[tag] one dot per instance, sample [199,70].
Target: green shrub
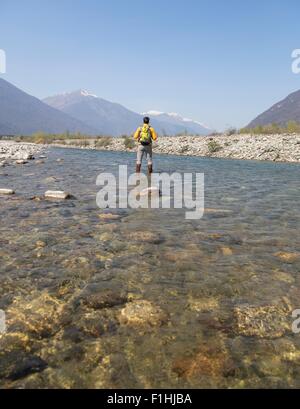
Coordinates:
[184,149]
[129,142]
[103,141]
[271,129]
[214,146]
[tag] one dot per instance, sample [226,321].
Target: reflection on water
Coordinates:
[146,298]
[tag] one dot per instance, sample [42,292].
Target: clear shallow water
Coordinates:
[68,278]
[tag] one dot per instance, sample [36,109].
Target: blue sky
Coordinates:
[219,62]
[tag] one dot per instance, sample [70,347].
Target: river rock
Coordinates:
[287,257]
[17,364]
[203,304]
[57,194]
[38,315]
[21,162]
[96,297]
[269,321]
[150,191]
[142,313]
[6,192]
[109,216]
[207,362]
[144,237]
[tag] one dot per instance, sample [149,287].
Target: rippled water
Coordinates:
[149,299]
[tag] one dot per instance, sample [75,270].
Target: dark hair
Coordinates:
[146,120]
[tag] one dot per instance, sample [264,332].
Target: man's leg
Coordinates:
[149,159]
[140,154]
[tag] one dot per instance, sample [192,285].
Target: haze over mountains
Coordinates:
[23,114]
[114,119]
[193,127]
[79,111]
[280,113]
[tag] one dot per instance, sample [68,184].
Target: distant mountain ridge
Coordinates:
[114,119]
[188,125]
[280,113]
[80,111]
[23,114]
[107,117]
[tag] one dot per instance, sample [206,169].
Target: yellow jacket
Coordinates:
[138,132]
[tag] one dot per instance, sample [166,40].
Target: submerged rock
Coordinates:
[96,297]
[203,304]
[109,216]
[226,251]
[284,277]
[270,321]
[144,237]
[38,316]
[15,365]
[207,362]
[142,313]
[288,257]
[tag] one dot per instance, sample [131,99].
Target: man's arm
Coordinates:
[137,134]
[153,134]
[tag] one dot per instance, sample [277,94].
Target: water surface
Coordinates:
[67,274]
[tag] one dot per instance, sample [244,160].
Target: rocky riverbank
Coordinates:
[19,153]
[276,148]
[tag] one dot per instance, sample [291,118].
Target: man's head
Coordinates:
[146,120]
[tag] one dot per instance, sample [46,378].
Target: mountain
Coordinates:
[284,111]
[107,117]
[21,113]
[186,125]
[114,119]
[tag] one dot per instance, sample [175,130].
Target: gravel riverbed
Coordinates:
[19,153]
[276,148]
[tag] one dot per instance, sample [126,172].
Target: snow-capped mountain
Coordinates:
[189,125]
[114,119]
[107,117]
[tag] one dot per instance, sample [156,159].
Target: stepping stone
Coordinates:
[52,194]
[21,162]
[151,191]
[6,192]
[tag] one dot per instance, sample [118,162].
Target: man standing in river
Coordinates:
[145,135]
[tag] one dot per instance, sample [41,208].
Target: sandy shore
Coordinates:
[276,148]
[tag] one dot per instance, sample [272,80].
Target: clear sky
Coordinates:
[219,62]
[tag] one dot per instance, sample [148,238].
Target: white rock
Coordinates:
[57,194]
[6,192]
[21,162]
[151,191]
